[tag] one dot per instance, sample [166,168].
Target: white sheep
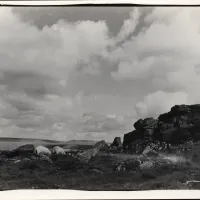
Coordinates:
[41,150]
[58,150]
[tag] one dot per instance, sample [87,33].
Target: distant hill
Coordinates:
[12,143]
[83,142]
[27,139]
[79,144]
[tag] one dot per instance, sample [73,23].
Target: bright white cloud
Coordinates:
[160,61]
[52,51]
[166,55]
[159,102]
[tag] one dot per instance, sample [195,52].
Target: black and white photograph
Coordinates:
[100,98]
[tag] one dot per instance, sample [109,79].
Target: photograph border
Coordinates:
[76,194]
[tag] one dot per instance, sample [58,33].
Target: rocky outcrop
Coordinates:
[146,124]
[87,155]
[101,145]
[116,146]
[132,137]
[181,124]
[117,142]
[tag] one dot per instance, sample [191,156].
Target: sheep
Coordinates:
[41,150]
[58,150]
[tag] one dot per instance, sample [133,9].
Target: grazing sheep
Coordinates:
[40,150]
[58,150]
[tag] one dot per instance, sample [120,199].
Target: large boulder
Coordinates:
[180,109]
[117,142]
[180,125]
[101,145]
[132,136]
[144,132]
[138,125]
[148,123]
[87,155]
[136,147]
[176,135]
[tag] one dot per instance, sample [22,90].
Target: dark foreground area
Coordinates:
[100,173]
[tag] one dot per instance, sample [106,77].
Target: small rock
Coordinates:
[147,165]
[194,184]
[46,158]
[17,161]
[150,152]
[97,171]
[128,165]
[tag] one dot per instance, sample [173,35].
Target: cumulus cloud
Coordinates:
[52,51]
[165,54]
[159,102]
[35,65]
[45,74]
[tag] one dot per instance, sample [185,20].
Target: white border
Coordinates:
[73,194]
[77,194]
[82,2]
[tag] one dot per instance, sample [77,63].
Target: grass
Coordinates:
[66,172]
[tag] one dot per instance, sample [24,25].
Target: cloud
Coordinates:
[52,51]
[49,75]
[133,69]
[165,55]
[35,67]
[159,102]
[40,16]
[94,126]
[128,26]
[94,122]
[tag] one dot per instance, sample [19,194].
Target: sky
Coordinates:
[90,73]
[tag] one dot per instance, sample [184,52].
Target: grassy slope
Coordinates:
[66,173]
